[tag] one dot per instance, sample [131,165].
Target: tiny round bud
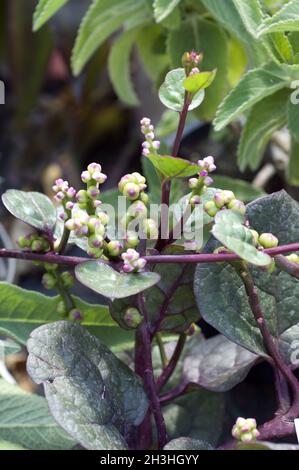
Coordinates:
[131,191]
[132,317]
[92,167]
[67,279]
[255,236]
[228,196]
[95,241]
[237,206]
[131,239]
[192,183]
[94,252]
[23,242]
[145,152]
[103,218]
[293,258]
[144,197]
[268,240]
[99,177]
[195,200]
[70,224]
[137,210]
[82,196]
[49,281]
[93,192]
[37,245]
[114,248]
[76,315]
[211,208]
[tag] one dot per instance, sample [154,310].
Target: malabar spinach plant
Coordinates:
[253,44]
[139,373]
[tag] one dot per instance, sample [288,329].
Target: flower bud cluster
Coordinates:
[52,279]
[132,261]
[66,196]
[245,430]
[150,145]
[34,242]
[93,177]
[132,186]
[199,184]
[73,315]
[92,227]
[191,60]
[224,200]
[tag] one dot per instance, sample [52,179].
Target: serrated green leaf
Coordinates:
[172,92]
[45,9]
[186,443]
[91,393]
[229,229]
[266,117]
[286,19]
[283,47]
[163,8]
[293,168]
[119,67]
[217,364]
[243,190]
[22,311]
[211,40]
[106,281]
[199,81]
[256,85]
[33,208]
[179,306]
[171,167]
[102,19]
[197,415]
[224,303]
[25,420]
[293,118]
[238,61]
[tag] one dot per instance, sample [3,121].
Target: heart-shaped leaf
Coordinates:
[221,296]
[186,443]
[90,392]
[106,281]
[33,208]
[172,91]
[217,364]
[229,229]
[199,81]
[171,167]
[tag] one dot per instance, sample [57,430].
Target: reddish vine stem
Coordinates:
[287,266]
[148,374]
[151,259]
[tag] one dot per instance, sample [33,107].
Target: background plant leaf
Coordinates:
[163,8]
[45,9]
[186,443]
[171,167]
[172,91]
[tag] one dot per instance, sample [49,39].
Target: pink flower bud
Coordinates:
[92,167]
[69,205]
[156,144]
[150,135]
[145,122]
[99,177]
[145,152]
[85,176]
[203,173]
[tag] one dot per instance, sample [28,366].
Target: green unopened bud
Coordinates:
[144,197]
[211,208]
[95,241]
[114,248]
[131,239]
[193,183]
[293,258]
[95,252]
[103,217]
[50,266]
[220,200]
[38,246]
[268,240]
[228,196]
[24,242]
[67,279]
[76,315]
[49,281]
[61,308]
[237,206]
[195,200]
[132,317]
[255,236]
[82,196]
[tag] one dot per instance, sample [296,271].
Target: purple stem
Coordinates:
[287,266]
[152,259]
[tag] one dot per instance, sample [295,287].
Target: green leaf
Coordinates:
[152,51]
[179,307]
[238,61]
[102,19]
[199,81]
[106,281]
[256,85]
[163,8]
[186,443]
[293,118]
[25,421]
[230,230]
[119,67]
[45,9]
[90,392]
[217,364]
[197,415]
[22,311]
[286,19]
[283,47]
[210,39]
[171,167]
[34,209]
[240,18]
[224,303]
[266,117]
[172,92]
[4,445]
[242,189]
[293,169]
